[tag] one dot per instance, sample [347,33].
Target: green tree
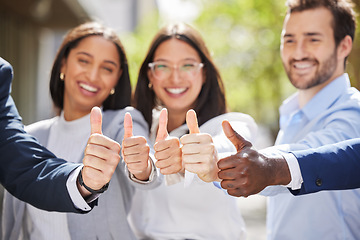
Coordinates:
[245,39]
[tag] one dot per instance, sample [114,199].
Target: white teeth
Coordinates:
[176,90]
[302,65]
[88,88]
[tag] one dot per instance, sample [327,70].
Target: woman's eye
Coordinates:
[83,61]
[110,70]
[187,67]
[162,67]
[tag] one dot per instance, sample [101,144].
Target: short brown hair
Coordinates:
[344,16]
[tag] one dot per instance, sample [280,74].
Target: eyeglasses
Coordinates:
[163,70]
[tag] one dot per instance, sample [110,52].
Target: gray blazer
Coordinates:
[109,219]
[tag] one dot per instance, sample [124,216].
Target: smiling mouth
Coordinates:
[88,88]
[176,90]
[303,65]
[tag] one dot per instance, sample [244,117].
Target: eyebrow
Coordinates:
[313,34]
[89,55]
[308,34]
[185,59]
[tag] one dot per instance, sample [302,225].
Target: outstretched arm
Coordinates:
[330,167]
[28,170]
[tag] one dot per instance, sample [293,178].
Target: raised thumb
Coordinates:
[238,141]
[128,125]
[96,120]
[191,121]
[162,130]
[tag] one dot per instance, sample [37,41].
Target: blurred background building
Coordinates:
[32,30]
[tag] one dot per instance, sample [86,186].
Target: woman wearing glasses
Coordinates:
[178,74]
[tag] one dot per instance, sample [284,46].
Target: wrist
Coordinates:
[146,179]
[144,175]
[280,171]
[81,182]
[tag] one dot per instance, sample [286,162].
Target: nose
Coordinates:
[175,75]
[93,74]
[300,50]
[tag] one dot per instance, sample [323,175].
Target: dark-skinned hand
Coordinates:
[248,172]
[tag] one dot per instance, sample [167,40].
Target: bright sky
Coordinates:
[179,10]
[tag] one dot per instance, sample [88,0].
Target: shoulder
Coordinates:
[40,127]
[116,117]
[347,105]
[244,124]
[113,120]
[6,75]
[352,95]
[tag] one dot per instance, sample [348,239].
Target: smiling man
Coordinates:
[316,40]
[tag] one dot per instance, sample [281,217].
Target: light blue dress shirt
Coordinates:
[332,115]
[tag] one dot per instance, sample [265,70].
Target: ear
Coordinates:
[344,47]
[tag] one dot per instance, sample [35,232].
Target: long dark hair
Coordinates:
[122,96]
[211,100]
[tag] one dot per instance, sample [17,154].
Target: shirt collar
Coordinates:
[321,101]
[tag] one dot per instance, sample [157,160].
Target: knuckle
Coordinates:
[207,137]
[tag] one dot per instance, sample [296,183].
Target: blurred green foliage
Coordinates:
[244,38]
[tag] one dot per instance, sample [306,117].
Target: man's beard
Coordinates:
[322,75]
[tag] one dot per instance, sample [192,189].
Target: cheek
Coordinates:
[284,54]
[197,86]
[111,82]
[156,85]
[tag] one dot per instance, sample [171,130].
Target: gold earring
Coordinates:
[112,91]
[150,85]
[62,76]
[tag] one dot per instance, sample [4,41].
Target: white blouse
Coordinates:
[199,210]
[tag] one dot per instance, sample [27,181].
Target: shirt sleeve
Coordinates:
[78,200]
[296,177]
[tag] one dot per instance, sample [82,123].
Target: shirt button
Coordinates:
[318,182]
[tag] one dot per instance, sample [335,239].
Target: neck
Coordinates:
[175,120]
[73,115]
[305,95]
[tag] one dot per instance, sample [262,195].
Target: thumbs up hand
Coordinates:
[199,154]
[167,149]
[248,172]
[101,156]
[135,151]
